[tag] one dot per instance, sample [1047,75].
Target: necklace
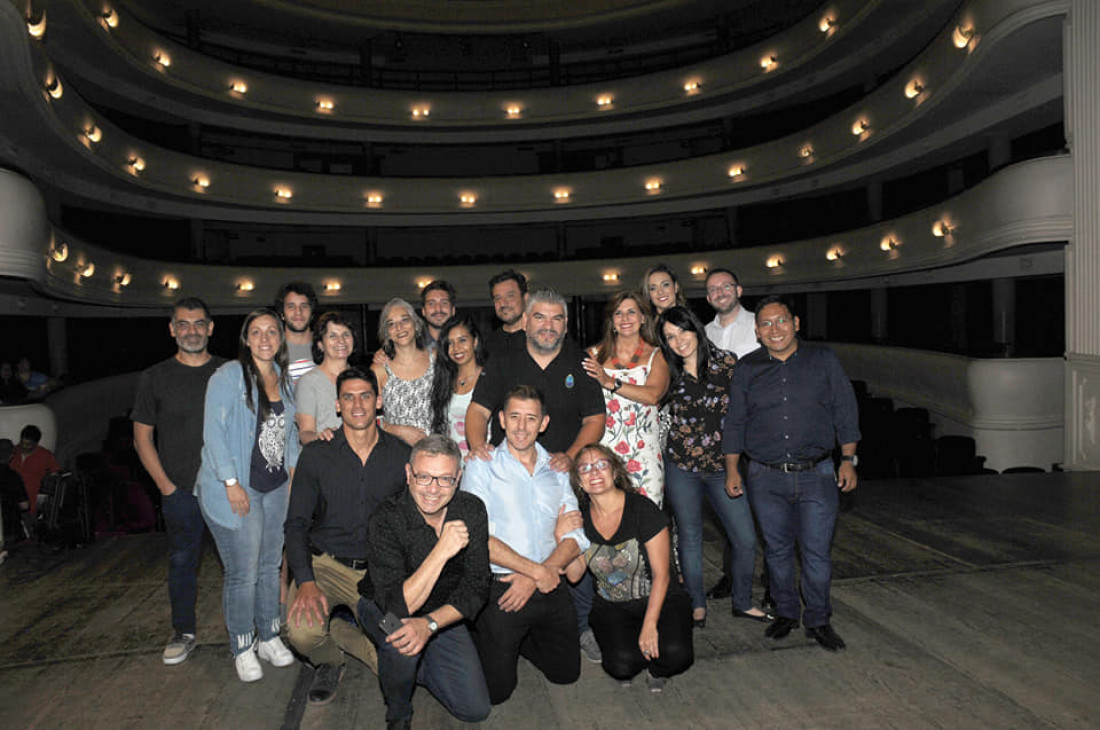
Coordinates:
[462,382]
[617,364]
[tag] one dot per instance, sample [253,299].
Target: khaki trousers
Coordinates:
[326,642]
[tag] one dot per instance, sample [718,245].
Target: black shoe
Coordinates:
[405,723]
[825,636]
[762,618]
[722,588]
[768,604]
[699,623]
[779,628]
[326,679]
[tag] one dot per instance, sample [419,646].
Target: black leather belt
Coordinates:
[789,466]
[353,563]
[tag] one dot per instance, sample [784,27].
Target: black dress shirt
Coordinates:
[570,395]
[794,410]
[400,540]
[334,495]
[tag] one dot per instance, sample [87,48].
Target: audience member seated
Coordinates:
[36,384]
[33,462]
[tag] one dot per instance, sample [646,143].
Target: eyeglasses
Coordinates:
[598,465]
[719,289]
[425,480]
[779,321]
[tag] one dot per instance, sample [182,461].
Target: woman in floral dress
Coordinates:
[634,376]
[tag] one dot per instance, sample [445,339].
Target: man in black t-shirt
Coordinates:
[508,290]
[169,401]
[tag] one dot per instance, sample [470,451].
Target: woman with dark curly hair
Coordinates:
[640,616]
[694,463]
[459,360]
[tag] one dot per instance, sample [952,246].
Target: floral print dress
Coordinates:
[632,432]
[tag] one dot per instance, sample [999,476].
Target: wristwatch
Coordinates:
[618,384]
[432,625]
[853,458]
[230,482]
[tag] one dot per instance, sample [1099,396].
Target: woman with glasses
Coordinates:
[249,451]
[460,358]
[630,368]
[640,616]
[405,381]
[695,465]
[333,342]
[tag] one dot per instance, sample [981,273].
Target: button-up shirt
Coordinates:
[738,337]
[698,408]
[793,410]
[400,540]
[335,494]
[522,506]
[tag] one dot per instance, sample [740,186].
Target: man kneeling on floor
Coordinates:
[429,573]
[530,611]
[337,486]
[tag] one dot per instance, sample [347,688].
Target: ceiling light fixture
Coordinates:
[325,105]
[699,270]
[860,127]
[605,101]
[54,88]
[374,200]
[611,277]
[826,24]
[162,59]
[87,270]
[513,111]
[467,199]
[332,286]
[736,171]
[201,181]
[245,285]
[769,63]
[238,87]
[836,253]
[93,133]
[59,252]
[693,87]
[962,36]
[806,151]
[108,18]
[284,193]
[775,262]
[889,243]
[914,89]
[123,279]
[137,164]
[563,195]
[942,229]
[37,29]
[421,283]
[420,112]
[171,284]
[654,185]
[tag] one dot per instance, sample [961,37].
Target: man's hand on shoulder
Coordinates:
[484,452]
[561,462]
[309,601]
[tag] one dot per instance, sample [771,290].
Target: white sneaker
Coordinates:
[274,652]
[248,667]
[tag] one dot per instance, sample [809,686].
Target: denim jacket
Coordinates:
[228,432]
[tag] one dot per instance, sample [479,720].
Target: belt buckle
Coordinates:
[785,467]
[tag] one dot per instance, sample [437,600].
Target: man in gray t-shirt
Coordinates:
[169,401]
[297,305]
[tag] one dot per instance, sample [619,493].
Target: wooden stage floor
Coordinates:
[966,603]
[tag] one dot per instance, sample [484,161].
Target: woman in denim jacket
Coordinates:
[250,447]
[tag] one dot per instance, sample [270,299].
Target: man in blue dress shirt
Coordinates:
[529,611]
[790,405]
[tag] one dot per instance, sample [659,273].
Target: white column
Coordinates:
[1082,99]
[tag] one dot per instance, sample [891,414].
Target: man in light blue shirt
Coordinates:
[529,611]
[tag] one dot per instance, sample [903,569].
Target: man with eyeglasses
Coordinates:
[169,401]
[530,611]
[429,576]
[337,486]
[791,404]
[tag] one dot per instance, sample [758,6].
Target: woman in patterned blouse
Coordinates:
[694,463]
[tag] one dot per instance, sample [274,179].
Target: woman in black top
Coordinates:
[641,618]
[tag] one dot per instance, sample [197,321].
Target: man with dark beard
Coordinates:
[297,305]
[437,305]
[508,290]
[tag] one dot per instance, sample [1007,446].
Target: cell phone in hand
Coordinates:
[390,623]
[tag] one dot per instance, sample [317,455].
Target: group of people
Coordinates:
[22,383]
[468,499]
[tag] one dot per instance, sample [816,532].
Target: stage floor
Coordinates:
[966,602]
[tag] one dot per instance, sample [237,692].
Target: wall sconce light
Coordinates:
[806,151]
[93,133]
[699,271]
[37,29]
[123,279]
[325,105]
[914,89]
[421,283]
[860,127]
[605,101]
[171,284]
[775,262]
[889,243]
[87,270]
[162,59]
[284,193]
[962,36]
[467,199]
[693,87]
[769,63]
[836,253]
[513,111]
[201,181]
[826,24]
[736,171]
[653,185]
[54,88]
[420,112]
[611,277]
[108,18]
[332,286]
[245,286]
[137,164]
[374,200]
[59,252]
[239,87]
[942,229]
[563,195]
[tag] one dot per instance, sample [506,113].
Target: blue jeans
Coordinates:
[684,491]
[251,556]
[797,507]
[448,666]
[183,520]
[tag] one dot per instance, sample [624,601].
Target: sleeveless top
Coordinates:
[456,417]
[409,402]
[632,432]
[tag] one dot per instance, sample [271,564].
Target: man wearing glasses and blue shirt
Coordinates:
[530,611]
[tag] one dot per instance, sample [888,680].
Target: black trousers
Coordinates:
[544,631]
[617,626]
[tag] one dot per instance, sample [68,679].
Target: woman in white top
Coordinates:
[633,373]
[405,382]
[335,343]
[459,360]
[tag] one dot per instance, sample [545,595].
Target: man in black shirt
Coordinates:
[169,400]
[790,404]
[429,568]
[337,485]
[508,290]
